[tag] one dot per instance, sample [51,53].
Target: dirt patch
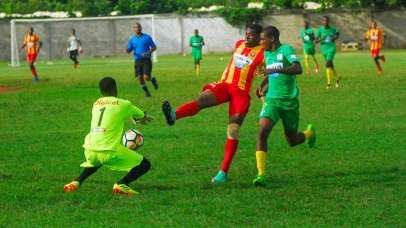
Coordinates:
[8,89]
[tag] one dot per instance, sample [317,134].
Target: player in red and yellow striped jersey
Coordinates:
[233,87]
[376,38]
[34,44]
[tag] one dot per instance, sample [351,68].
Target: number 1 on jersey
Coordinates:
[101,116]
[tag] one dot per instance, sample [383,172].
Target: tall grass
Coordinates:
[354,177]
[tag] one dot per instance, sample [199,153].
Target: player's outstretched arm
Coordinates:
[143,121]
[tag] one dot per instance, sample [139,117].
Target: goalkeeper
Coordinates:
[103,144]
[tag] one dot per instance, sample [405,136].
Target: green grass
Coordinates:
[354,177]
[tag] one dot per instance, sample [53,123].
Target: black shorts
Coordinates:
[143,67]
[74,52]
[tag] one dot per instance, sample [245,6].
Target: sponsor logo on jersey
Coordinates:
[278,65]
[96,129]
[242,60]
[106,102]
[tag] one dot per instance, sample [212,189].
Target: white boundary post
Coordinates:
[14,47]
[155,58]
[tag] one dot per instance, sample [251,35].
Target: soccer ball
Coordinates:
[133,139]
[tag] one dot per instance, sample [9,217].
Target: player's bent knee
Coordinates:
[145,165]
[233,131]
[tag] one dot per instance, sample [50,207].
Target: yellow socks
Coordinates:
[307,63]
[335,74]
[197,69]
[261,161]
[329,72]
[315,60]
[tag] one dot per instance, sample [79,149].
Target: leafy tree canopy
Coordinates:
[130,7]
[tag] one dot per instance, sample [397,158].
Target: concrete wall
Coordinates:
[172,32]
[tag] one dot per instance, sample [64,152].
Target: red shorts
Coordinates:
[31,57]
[238,98]
[375,52]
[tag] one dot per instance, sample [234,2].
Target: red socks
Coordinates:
[379,66]
[34,72]
[189,109]
[231,149]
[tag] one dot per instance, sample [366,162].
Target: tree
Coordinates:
[233,8]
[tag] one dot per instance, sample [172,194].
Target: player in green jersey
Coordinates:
[309,47]
[103,144]
[196,42]
[326,35]
[281,99]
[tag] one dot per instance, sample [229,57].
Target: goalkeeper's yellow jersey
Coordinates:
[107,124]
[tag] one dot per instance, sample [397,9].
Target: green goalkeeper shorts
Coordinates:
[123,159]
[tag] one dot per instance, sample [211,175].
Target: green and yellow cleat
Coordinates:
[72,186]
[124,189]
[260,181]
[312,140]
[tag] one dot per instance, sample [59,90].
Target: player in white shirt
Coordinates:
[75,46]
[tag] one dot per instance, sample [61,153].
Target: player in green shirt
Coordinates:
[196,42]
[326,35]
[103,144]
[281,99]
[309,47]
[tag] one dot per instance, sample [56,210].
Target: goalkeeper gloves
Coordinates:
[142,121]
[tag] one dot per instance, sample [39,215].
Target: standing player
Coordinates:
[309,47]
[326,35]
[376,38]
[103,144]
[75,46]
[233,87]
[196,42]
[281,100]
[34,44]
[142,45]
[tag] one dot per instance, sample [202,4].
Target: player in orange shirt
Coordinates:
[233,87]
[33,43]
[376,38]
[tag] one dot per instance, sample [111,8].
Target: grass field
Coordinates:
[354,177]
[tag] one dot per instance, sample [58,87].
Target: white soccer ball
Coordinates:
[133,139]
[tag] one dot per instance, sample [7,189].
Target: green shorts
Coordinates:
[285,109]
[123,159]
[309,51]
[329,56]
[197,55]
